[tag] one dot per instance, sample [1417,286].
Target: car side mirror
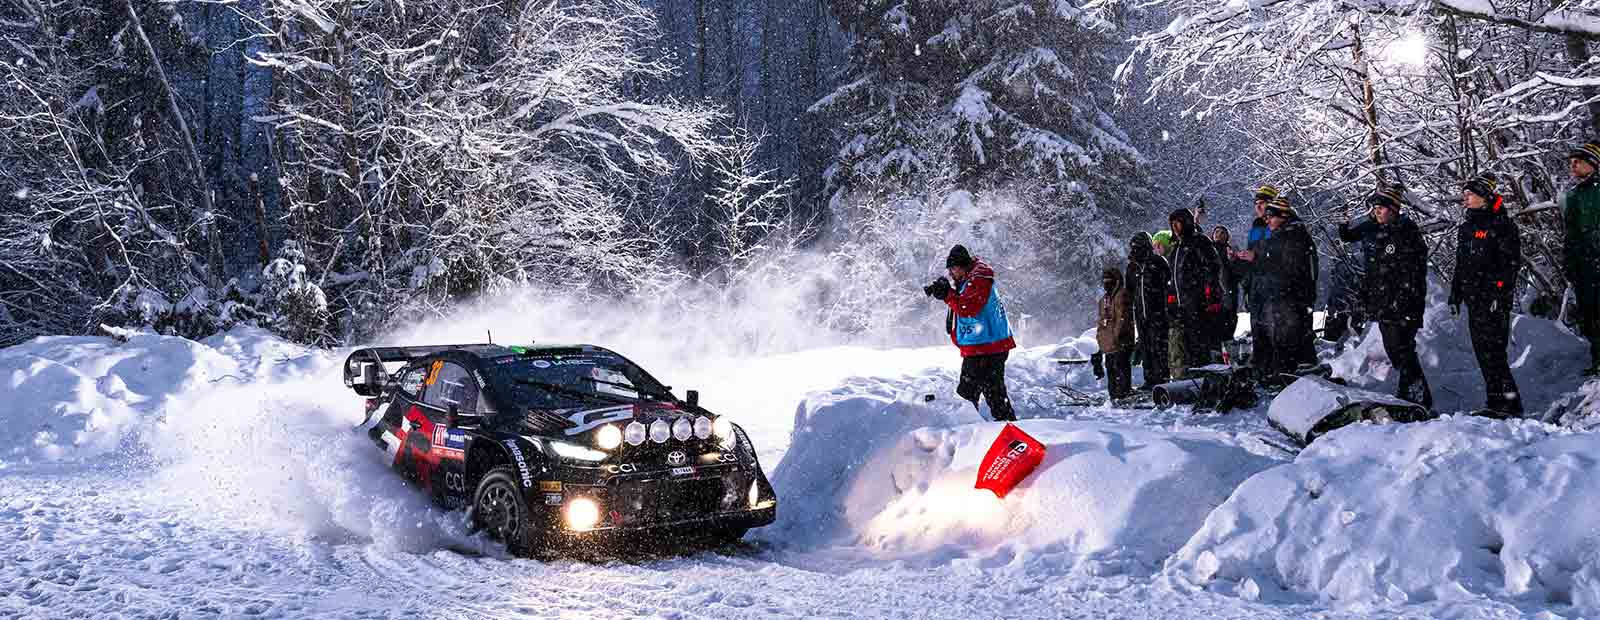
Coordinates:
[373,380]
[694,398]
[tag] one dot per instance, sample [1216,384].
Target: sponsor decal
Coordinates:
[479,377]
[455,481]
[552,499]
[676,458]
[601,417]
[505,360]
[577,362]
[727,457]
[682,471]
[550,486]
[449,442]
[1389,249]
[522,464]
[625,468]
[541,363]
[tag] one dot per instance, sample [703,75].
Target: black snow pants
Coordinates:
[1153,353]
[1400,342]
[1490,326]
[1119,374]
[1284,328]
[985,376]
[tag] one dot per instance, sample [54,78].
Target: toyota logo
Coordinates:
[676,458]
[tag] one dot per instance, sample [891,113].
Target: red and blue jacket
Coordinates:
[977,321]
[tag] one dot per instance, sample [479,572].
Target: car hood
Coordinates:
[558,423]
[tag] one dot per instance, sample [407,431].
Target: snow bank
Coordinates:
[894,477]
[1546,359]
[75,398]
[1388,514]
[243,429]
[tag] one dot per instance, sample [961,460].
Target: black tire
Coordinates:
[501,510]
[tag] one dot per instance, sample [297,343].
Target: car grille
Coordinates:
[642,502]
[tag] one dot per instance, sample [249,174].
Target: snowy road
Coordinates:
[104,545]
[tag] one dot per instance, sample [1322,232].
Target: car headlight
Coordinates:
[682,430]
[702,427]
[723,429]
[635,434]
[576,452]
[660,431]
[608,437]
[582,514]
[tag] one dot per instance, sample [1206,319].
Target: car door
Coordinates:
[440,449]
[394,428]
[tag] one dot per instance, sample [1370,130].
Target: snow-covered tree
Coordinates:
[1342,96]
[999,89]
[434,152]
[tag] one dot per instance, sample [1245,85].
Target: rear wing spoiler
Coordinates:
[365,371]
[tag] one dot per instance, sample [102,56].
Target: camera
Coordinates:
[939,289]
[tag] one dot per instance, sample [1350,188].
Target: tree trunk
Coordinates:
[1578,55]
[1370,107]
[191,155]
[700,43]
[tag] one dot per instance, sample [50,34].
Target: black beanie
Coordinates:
[959,257]
[1589,152]
[1483,185]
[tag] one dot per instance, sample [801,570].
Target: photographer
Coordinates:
[977,325]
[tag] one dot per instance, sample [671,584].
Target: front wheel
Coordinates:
[500,509]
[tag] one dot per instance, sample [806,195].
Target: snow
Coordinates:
[895,478]
[1377,515]
[221,477]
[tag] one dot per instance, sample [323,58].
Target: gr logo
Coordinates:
[1018,447]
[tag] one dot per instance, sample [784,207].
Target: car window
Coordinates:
[453,386]
[585,380]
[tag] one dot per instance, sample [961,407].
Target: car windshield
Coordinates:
[573,381]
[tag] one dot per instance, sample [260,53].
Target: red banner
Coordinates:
[1013,456]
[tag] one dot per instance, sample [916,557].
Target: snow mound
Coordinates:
[75,398]
[894,477]
[1546,359]
[1438,511]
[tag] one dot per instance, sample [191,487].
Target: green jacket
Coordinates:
[1583,240]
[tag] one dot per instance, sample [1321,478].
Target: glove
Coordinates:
[1136,359]
[1098,362]
[940,289]
[1455,309]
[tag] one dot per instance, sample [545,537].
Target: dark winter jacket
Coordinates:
[1488,256]
[1230,274]
[1259,233]
[1286,267]
[1344,287]
[1148,274]
[1115,327]
[1583,240]
[1395,289]
[1195,291]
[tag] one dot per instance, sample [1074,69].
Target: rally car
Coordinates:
[550,446]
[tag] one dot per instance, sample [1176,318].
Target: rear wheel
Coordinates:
[501,510]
